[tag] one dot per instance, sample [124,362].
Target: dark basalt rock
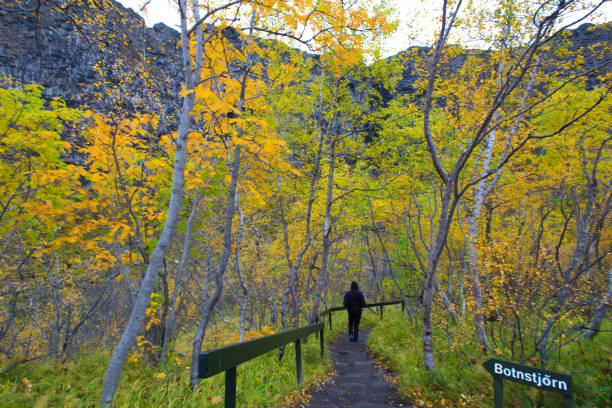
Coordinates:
[86,62]
[90,63]
[592,43]
[589,41]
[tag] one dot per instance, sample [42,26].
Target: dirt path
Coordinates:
[357,383]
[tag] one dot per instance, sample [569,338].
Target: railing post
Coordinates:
[403,306]
[322,341]
[330,323]
[381,312]
[498,390]
[298,362]
[230,388]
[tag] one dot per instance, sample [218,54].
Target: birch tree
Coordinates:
[545,20]
[192,77]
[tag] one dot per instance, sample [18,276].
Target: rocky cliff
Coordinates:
[589,42]
[93,57]
[106,57]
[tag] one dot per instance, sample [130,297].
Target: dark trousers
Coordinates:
[353,324]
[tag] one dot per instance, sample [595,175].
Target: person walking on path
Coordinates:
[354,301]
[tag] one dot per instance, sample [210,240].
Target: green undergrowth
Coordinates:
[461,381]
[261,382]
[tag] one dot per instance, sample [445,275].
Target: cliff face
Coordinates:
[109,59]
[592,43]
[589,42]
[85,55]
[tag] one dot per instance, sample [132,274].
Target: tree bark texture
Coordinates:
[327,225]
[244,301]
[601,311]
[179,284]
[210,304]
[136,321]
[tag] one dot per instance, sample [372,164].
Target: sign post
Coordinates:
[534,377]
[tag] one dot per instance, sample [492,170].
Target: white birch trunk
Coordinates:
[320,284]
[136,321]
[479,197]
[322,280]
[244,302]
[209,307]
[179,284]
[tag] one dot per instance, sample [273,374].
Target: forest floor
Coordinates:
[358,381]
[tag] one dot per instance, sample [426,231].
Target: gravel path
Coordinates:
[357,382]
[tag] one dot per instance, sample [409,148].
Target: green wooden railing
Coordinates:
[229,357]
[380,305]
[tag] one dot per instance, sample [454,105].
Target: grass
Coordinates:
[261,382]
[461,381]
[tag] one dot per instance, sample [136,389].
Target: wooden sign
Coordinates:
[534,377]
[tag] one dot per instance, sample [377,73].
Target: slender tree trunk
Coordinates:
[295,268]
[178,284]
[448,207]
[479,197]
[601,311]
[579,262]
[136,321]
[445,300]
[327,225]
[445,217]
[320,284]
[244,302]
[135,324]
[378,291]
[482,192]
[209,307]
[386,253]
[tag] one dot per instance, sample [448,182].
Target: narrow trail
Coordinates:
[357,381]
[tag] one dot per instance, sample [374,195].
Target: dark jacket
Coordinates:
[354,301]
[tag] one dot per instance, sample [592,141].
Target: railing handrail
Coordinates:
[338,308]
[212,362]
[227,358]
[255,347]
